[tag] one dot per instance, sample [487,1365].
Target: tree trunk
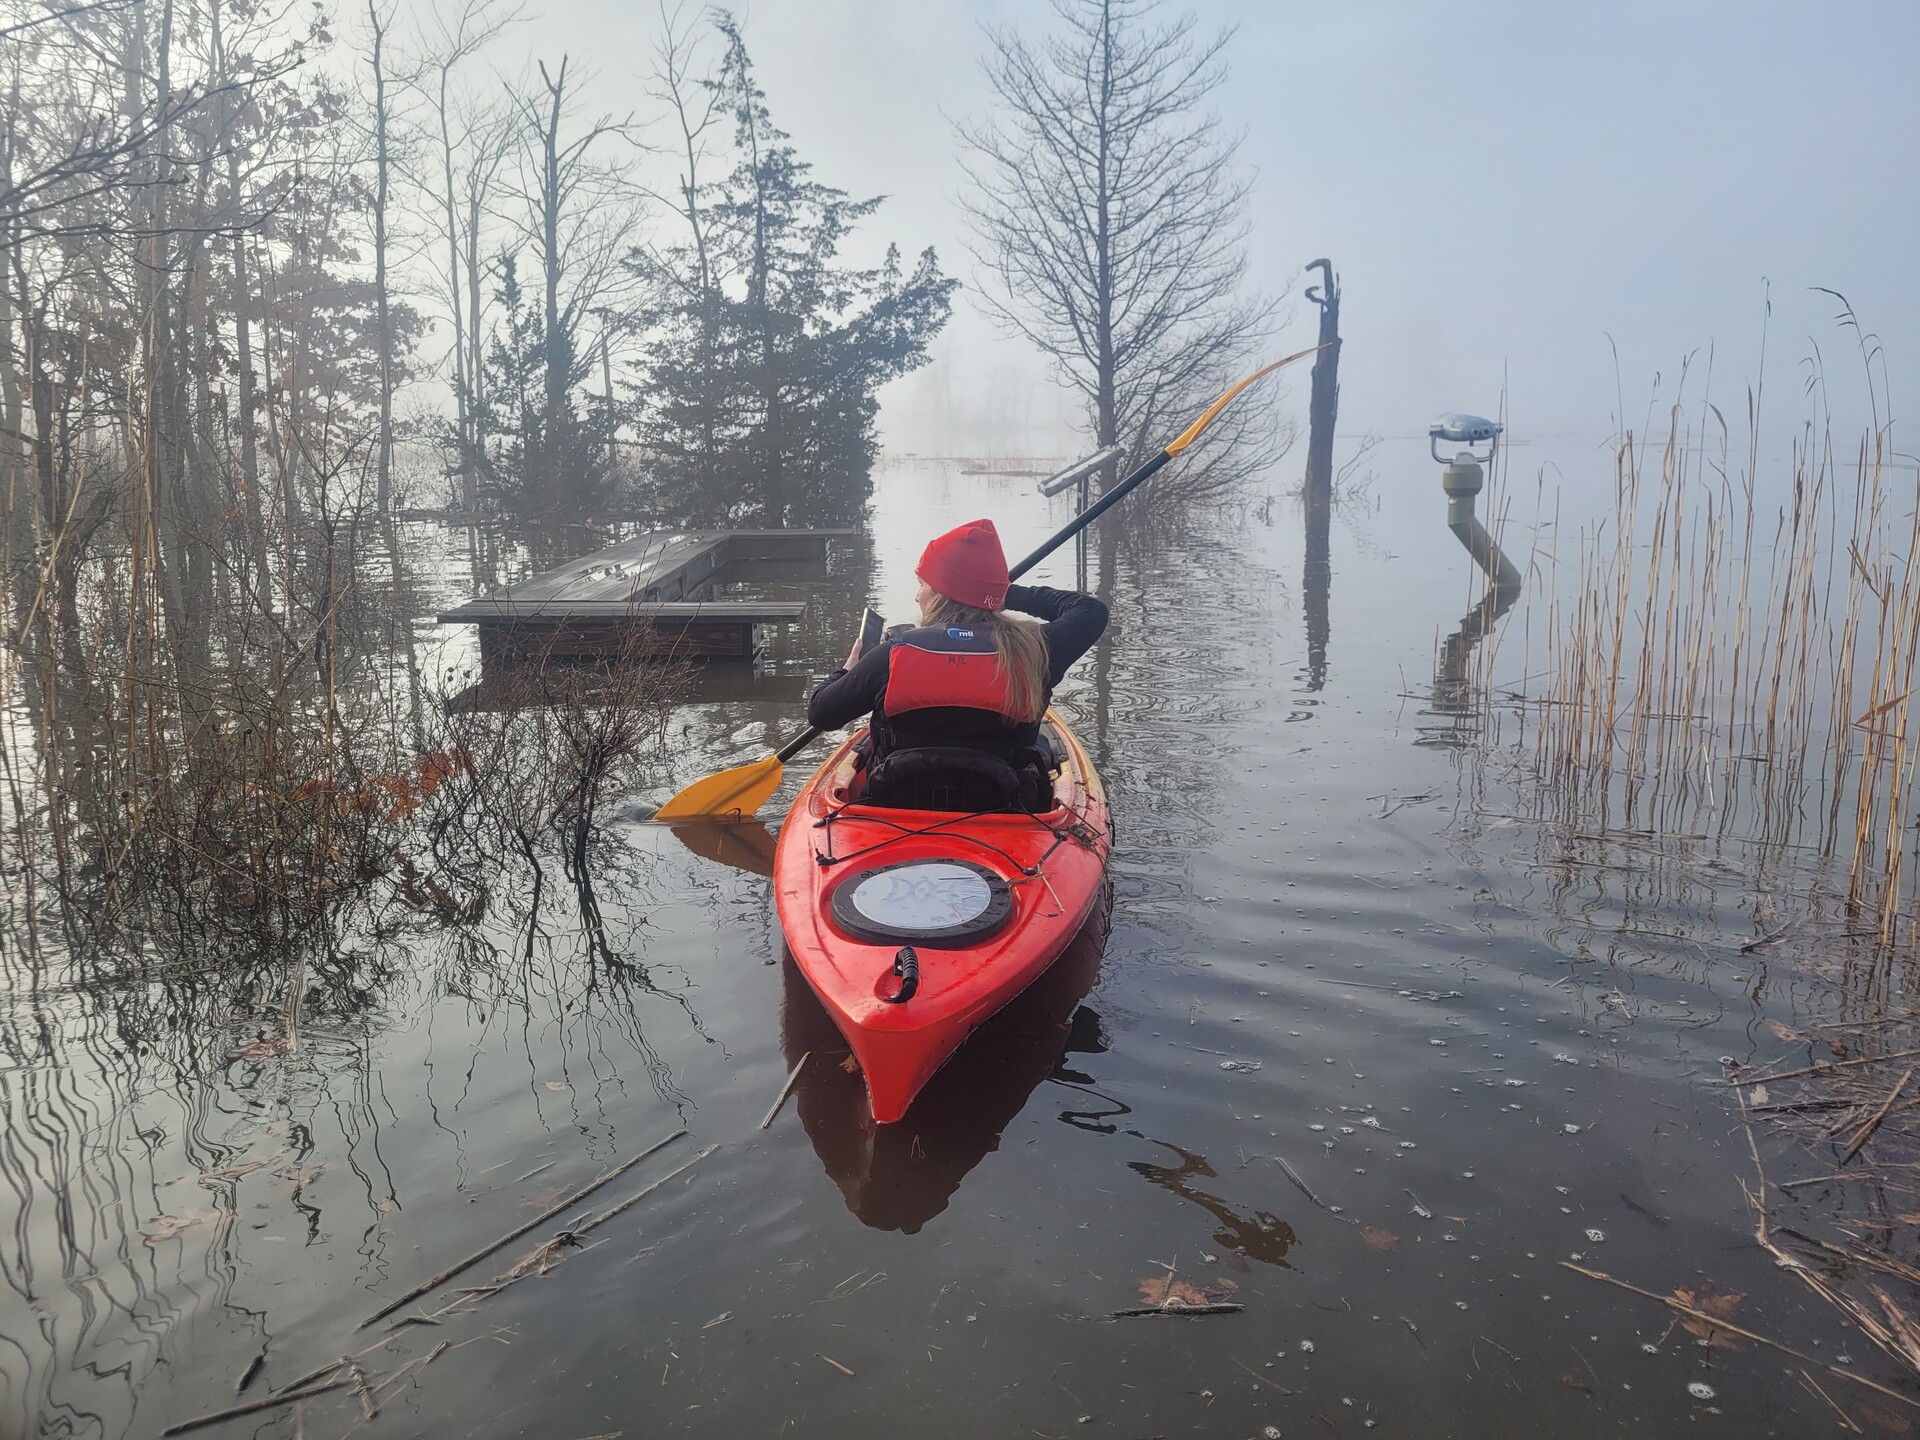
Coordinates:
[383,336]
[472,453]
[558,353]
[462,384]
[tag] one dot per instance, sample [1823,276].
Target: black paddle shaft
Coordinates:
[1080,522]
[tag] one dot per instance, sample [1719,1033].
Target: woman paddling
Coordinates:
[956,703]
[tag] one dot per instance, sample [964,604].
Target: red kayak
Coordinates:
[914,926]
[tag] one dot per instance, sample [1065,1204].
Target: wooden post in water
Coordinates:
[1322,407]
[1324,404]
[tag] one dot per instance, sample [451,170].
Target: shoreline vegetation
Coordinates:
[1718,718]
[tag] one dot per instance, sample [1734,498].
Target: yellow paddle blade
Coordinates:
[1192,432]
[739,791]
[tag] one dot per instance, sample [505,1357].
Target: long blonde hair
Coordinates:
[1019,651]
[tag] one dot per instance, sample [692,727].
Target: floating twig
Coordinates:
[1174,1308]
[254,1407]
[835,1363]
[1720,1323]
[1305,1189]
[516,1233]
[246,1375]
[1845,1418]
[1865,1133]
[1825,1069]
[361,1388]
[639,1195]
[1774,939]
[1822,1179]
[785,1090]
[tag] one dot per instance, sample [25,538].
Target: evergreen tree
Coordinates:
[538,457]
[767,356]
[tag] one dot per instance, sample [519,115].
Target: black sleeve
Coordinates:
[846,695]
[1074,622]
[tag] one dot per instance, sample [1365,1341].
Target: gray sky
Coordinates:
[1502,186]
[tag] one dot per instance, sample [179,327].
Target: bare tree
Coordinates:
[577,212]
[1108,215]
[382,118]
[468,153]
[695,106]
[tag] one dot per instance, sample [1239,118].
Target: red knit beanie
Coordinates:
[967,565]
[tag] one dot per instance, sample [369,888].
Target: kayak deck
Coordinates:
[1048,868]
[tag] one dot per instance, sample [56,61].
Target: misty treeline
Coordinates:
[273,274]
[264,282]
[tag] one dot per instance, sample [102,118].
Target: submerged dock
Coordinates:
[659,592]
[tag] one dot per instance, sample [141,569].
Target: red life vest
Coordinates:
[956,666]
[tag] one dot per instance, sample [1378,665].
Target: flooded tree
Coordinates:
[539,452]
[767,352]
[573,210]
[1110,216]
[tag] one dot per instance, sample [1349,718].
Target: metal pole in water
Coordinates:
[1462,479]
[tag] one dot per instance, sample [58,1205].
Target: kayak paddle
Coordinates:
[745,788]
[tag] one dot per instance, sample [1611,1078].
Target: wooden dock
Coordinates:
[661,591]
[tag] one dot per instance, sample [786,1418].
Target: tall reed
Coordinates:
[1700,679]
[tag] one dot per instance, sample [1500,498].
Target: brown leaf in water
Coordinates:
[1174,1294]
[850,1065]
[1577,1382]
[1379,1238]
[1710,1302]
[260,1050]
[1165,1290]
[558,1085]
[1785,1032]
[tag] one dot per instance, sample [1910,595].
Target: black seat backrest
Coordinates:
[945,777]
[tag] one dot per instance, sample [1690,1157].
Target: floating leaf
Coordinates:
[850,1065]
[1167,1291]
[1785,1032]
[1577,1382]
[1709,1302]
[260,1049]
[558,1085]
[1379,1238]
[1171,1294]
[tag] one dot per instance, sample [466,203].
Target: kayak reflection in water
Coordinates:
[956,701]
[900,1176]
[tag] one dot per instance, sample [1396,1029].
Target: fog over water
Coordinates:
[1389,1032]
[1509,191]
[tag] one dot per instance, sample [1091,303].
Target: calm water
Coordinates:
[1334,941]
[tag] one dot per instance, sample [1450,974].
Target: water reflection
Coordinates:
[1460,684]
[900,1176]
[1316,585]
[1261,1235]
[740,843]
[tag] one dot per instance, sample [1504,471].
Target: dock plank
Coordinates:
[497,609]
